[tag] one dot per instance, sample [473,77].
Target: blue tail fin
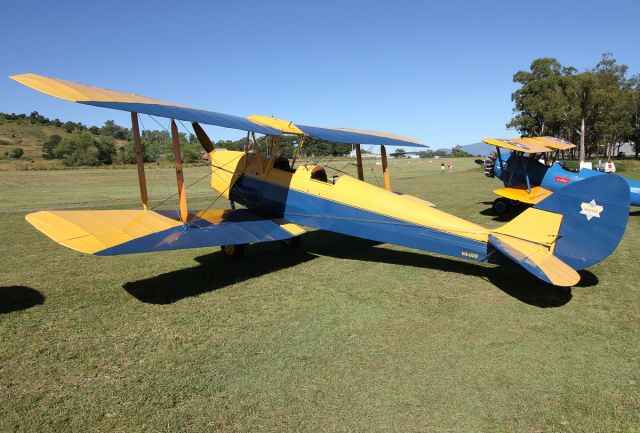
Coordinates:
[594,216]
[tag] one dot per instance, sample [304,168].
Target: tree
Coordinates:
[400,153]
[540,102]
[49,146]
[458,152]
[634,114]
[590,107]
[83,148]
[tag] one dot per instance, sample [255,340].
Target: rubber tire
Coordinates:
[293,242]
[515,203]
[232,252]
[500,206]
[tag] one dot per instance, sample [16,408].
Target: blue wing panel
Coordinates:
[350,137]
[238,227]
[187,114]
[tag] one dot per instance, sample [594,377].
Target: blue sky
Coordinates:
[439,72]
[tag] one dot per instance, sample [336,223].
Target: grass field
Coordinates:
[339,335]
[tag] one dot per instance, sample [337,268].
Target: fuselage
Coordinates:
[345,205]
[514,172]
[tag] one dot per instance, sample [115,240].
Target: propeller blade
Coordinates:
[203,137]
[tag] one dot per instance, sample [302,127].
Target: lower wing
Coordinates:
[113,232]
[522,194]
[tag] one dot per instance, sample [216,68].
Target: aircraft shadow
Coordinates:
[215,272]
[512,280]
[17,298]
[505,217]
[634,213]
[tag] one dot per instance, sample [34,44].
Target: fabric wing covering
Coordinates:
[106,98]
[100,97]
[355,136]
[113,232]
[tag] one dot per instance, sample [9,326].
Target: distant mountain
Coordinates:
[477,149]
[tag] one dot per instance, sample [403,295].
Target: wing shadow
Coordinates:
[214,272]
[511,279]
[16,298]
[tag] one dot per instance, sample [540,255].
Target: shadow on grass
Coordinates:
[214,272]
[505,217]
[513,280]
[635,213]
[16,298]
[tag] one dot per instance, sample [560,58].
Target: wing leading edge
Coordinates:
[114,232]
[131,102]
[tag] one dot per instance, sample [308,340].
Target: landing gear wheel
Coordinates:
[515,203]
[500,205]
[292,242]
[565,291]
[232,252]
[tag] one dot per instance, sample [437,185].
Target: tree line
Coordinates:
[598,108]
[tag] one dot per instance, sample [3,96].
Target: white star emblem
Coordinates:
[591,209]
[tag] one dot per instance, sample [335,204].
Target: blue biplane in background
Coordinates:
[571,230]
[531,171]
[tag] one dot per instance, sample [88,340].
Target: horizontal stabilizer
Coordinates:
[537,259]
[113,232]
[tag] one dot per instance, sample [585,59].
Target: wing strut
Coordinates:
[359,162]
[177,158]
[385,168]
[137,143]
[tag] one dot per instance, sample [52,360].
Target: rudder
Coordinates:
[594,217]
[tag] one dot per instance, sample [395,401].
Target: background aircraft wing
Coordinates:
[113,232]
[518,144]
[552,142]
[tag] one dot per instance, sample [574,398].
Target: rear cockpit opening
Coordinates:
[319,173]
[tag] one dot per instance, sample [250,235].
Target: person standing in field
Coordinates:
[442,167]
[450,166]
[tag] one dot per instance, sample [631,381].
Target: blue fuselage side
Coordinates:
[309,210]
[514,171]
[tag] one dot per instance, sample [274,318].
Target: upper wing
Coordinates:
[345,135]
[99,97]
[113,232]
[338,135]
[553,143]
[518,144]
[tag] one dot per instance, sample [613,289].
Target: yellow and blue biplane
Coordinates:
[573,229]
[531,172]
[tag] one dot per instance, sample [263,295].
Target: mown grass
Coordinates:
[339,335]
